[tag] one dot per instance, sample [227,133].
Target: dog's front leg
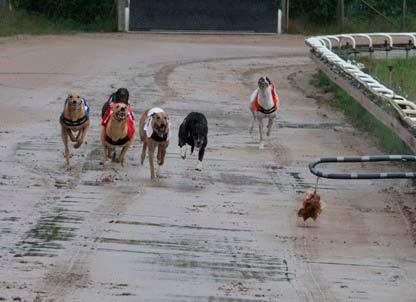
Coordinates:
[71,135]
[261,145]
[122,154]
[105,154]
[183,151]
[261,129]
[159,154]
[151,150]
[64,134]
[81,137]
[162,153]
[269,125]
[102,136]
[200,158]
[252,122]
[143,155]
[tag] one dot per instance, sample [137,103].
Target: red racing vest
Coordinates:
[131,124]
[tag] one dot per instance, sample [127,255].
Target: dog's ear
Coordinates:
[268,80]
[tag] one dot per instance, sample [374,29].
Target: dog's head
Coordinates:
[120,111]
[264,82]
[74,101]
[160,122]
[198,135]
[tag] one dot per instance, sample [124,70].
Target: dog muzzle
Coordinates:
[120,116]
[75,106]
[161,129]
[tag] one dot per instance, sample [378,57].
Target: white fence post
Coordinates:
[279,21]
[127,19]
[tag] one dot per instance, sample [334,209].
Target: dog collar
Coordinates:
[119,142]
[80,121]
[76,123]
[158,138]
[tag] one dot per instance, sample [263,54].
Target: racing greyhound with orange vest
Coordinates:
[264,103]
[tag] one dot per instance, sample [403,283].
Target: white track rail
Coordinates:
[322,47]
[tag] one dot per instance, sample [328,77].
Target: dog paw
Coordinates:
[199,166]
[183,152]
[77,145]
[261,146]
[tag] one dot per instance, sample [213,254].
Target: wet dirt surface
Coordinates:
[228,233]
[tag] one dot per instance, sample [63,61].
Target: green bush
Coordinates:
[320,16]
[81,11]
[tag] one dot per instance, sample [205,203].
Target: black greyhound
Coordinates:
[194,132]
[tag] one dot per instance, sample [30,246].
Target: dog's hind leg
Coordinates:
[143,155]
[270,125]
[64,134]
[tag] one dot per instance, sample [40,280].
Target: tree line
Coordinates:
[81,11]
[326,10]
[89,11]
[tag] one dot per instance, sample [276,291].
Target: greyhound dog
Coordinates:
[264,103]
[75,118]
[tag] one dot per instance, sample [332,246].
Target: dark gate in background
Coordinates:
[208,15]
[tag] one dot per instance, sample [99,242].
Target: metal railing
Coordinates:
[323,46]
[360,159]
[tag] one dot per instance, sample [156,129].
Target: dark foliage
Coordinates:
[81,11]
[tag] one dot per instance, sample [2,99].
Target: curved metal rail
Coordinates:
[323,45]
[355,159]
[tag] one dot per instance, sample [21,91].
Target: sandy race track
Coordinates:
[228,233]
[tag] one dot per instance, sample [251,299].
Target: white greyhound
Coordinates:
[264,104]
